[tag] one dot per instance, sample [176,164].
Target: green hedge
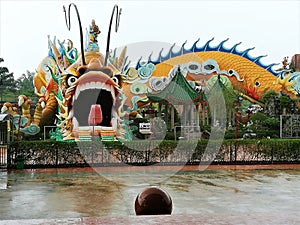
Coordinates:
[52,153]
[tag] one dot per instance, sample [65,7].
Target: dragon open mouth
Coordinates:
[94,104]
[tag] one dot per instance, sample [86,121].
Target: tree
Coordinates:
[7,82]
[25,85]
[11,88]
[6,78]
[25,82]
[277,104]
[258,120]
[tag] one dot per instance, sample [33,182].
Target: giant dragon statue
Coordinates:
[87,95]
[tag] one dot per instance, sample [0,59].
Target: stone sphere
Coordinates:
[153,201]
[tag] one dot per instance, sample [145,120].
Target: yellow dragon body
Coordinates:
[200,67]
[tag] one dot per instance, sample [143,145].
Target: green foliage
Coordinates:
[230,133]
[265,126]
[25,86]
[9,96]
[170,135]
[11,88]
[272,123]
[268,95]
[7,82]
[284,101]
[54,153]
[49,145]
[280,103]
[258,118]
[25,82]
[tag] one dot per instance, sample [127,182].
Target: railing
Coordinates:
[89,153]
[289,126]
[3,156]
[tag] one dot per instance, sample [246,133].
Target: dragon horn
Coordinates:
[68,23]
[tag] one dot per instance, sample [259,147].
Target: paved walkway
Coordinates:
[251,219]
[239,191]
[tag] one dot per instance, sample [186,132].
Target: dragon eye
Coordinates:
[115,79]
[138,88]
[71,80]
[197,88]
[209,67]
[257,84]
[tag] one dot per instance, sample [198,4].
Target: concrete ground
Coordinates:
[215,194]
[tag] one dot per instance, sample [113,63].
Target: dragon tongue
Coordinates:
[95,115]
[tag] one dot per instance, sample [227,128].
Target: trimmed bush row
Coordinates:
[60,154]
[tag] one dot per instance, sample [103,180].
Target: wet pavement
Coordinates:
[224,195]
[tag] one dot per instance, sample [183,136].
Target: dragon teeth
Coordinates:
[113,94]
[99,85]
[76,94]
[71,114]
[83,87]
[105,87]
[94,85]
[75,123]
[114,118]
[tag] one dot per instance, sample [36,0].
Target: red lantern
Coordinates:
[95,115]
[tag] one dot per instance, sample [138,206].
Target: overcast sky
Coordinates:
[272,27]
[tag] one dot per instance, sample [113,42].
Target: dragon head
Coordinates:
[87,86]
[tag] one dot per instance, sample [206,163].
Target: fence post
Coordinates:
[3,156]
[280,135]
[272,154]
[56,156]
[9,164]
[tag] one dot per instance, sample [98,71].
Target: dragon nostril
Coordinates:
[107,71]
[81,70]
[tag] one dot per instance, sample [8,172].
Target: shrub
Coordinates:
[53,153]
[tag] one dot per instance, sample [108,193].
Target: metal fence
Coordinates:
[289,126]
[6,129]
[3,156]
[87,153]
